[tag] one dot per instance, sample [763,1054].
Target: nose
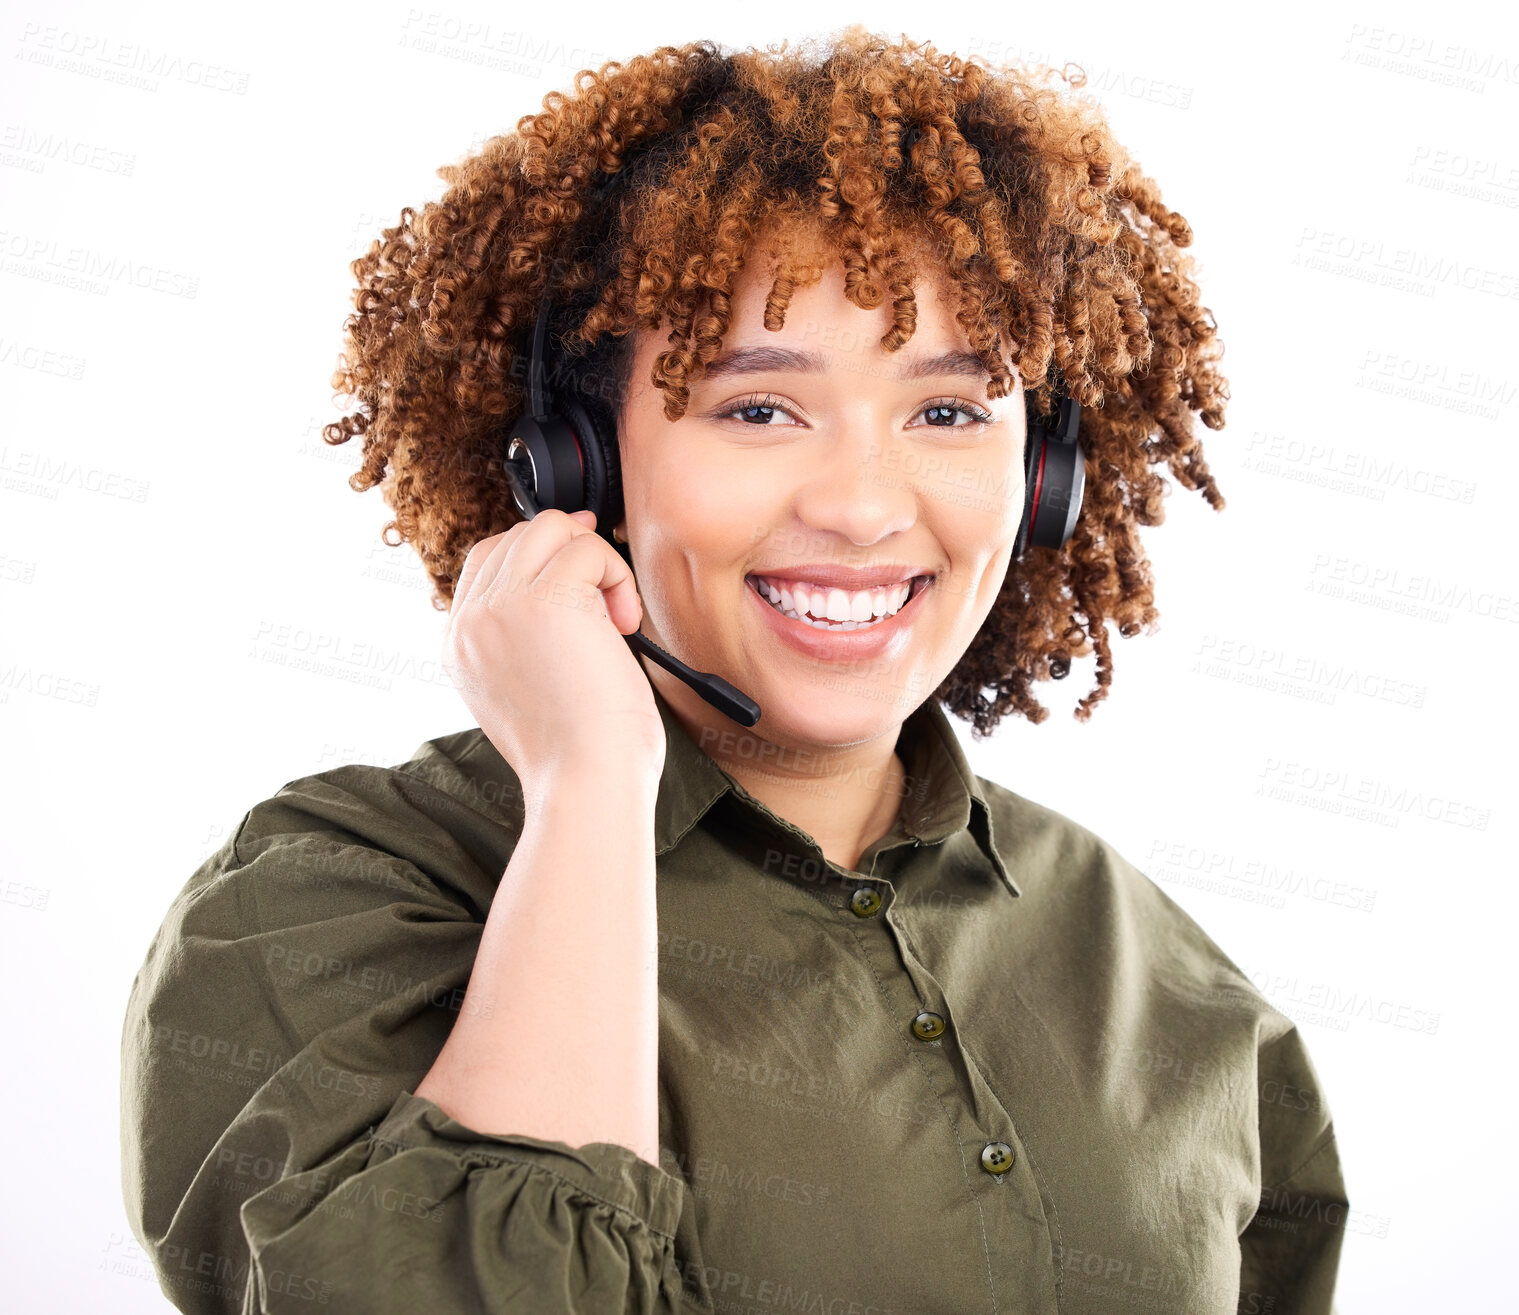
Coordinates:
[862,488]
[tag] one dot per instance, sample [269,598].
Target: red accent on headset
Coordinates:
[1033,514]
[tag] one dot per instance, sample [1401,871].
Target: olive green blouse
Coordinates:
[994,1070]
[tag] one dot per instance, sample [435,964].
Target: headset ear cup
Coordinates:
[603,473]
[1032,448]
[548,461]
[1062,479]
[1075,483]
[1054,478]
[605,431]
[1053,517]
[592,476]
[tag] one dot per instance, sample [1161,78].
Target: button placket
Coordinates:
[977,1123]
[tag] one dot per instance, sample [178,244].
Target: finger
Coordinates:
[589,560]
[470,571]
[517,563]
[498,546]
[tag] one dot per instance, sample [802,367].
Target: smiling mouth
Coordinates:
[766,592]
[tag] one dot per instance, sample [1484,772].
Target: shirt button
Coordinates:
[864,902]
[927,1026]
[996,1157]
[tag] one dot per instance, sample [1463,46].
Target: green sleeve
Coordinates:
[426,1215]
[1291,1247]
[274,1156]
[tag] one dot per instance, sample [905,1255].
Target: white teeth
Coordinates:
[844,611]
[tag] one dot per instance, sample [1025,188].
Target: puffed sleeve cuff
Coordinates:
[426,1213]
[611,1173]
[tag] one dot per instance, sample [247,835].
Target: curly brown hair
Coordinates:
[1033,211]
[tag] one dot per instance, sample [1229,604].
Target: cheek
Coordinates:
[984,490]
[988,511]
[700,517]
[979,544]
[721,496]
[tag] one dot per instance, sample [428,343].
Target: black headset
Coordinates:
[558,455]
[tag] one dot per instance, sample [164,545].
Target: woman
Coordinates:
[614,1004]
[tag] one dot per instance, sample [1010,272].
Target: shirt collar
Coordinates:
[941,795]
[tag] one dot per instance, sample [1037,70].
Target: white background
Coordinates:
[173,534]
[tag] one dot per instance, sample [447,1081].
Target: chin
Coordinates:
[839,707]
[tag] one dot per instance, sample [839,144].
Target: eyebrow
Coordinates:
[758,360]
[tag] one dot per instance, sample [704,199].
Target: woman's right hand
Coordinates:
[539,657]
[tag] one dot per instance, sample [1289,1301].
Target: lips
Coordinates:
[881,596]
[828,575]
[916,585]
[884,640]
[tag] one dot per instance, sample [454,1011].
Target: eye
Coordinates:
[941,412]
[757,410]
